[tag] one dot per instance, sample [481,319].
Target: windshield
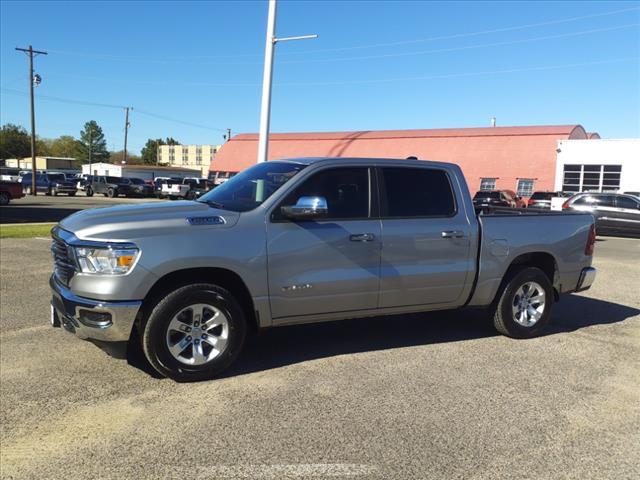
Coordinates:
[250,188]
[494,195]
[136,181]
[542,196]
[114,180]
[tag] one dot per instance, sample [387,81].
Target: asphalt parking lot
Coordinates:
[43,208]
[419,396]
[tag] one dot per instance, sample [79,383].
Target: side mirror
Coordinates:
[306,208]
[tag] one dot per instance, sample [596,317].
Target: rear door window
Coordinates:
[416,192]
[626,202]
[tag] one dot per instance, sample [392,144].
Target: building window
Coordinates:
[591,178]
[487,184]
[525,187]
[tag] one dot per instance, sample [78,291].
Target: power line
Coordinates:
[169,119]
[119,107]
[462,74]
[467,47]
[468,34]
[197,58]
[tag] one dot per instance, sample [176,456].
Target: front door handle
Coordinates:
[362,237]
[452,234]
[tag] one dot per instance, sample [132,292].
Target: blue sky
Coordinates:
[375,65]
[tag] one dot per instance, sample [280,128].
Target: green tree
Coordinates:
[118,157]
[149,152]
[67,146]
[15,142]
[92,141]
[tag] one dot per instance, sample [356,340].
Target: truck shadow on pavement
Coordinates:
[18,214]
[284,346]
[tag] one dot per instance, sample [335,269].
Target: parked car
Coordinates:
[185,188]
[159,181]
[635,194]
[543,199]
[615,213]
[10,191]
[109,186]
[197,187]
[50,184]
[139,187]
[304,240]
[494,198]
[8,174]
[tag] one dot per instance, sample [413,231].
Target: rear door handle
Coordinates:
[452,234]
[362,237]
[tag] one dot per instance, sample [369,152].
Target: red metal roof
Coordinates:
[469,147]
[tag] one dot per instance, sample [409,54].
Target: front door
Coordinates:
[426,244]
[326,265]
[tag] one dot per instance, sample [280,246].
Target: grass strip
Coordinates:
[26,231]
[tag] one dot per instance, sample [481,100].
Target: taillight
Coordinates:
[530,201]
[565,205]
[591,241]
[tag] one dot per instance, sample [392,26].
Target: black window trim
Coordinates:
[383,205]
[374,199]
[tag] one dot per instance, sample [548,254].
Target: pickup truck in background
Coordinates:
[308,240]
[188,188]
[109,186]
[50,184]
[10,191]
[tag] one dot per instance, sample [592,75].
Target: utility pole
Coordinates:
[126,131]
[30,51]
[90,148]
[265,108]
[228,134]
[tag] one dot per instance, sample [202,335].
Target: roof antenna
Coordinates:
[493,121]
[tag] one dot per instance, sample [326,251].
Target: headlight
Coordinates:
[106,261]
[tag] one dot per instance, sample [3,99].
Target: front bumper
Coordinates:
[92,319]
[587,277]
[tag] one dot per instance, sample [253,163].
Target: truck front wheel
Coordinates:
[194,333]
[524,307]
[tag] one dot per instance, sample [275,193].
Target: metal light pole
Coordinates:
[265,108]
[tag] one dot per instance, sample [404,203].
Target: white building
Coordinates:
[189,156]
[146,172]
[598,165]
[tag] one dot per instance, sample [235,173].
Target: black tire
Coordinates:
[89,192]
[112,193]
[72,194]
[4,198]
[154,336]
[27,190]
[504,318]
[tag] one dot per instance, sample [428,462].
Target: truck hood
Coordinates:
[128,222]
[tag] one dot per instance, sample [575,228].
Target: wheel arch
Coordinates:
[220,276]
[545,261]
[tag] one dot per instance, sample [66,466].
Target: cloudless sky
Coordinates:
[375,65]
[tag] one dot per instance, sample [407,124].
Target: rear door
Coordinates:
[331,264]
[628,213]
[426,243]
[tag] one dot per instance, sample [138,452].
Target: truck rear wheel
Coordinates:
[4,198]
[112,193]
[524,307]
[194,333]
[89,192]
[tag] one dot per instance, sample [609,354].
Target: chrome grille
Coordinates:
[63,265]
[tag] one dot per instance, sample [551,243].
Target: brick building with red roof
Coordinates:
[514,158]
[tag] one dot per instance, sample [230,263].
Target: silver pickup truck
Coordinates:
[307,240]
